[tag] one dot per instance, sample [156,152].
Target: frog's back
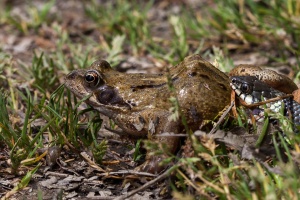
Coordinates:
[203,91]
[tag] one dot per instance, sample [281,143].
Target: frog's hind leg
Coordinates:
[167,144]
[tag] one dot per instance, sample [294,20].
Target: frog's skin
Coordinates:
[139,103]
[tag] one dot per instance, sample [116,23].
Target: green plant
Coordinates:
[36,17]
[122,17]
[254,22]
[180,41]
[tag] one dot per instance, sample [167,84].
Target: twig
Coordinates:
[62,175]
[265,101]
[221,118]
[91,163]
[129,194]
[125,172]
[172,135]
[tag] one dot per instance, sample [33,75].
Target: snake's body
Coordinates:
[251,91]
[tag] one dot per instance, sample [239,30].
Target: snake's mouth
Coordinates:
[263,98]
[245,97]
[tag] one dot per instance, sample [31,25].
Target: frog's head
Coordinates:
[92,82]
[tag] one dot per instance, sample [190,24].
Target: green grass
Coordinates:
[32,91]
[36,17]
[121,18]
[254,23]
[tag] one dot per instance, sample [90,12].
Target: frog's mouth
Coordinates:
[77,89]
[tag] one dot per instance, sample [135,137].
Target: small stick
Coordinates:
[222,118]
[266,101]
[129,194]
[124,172]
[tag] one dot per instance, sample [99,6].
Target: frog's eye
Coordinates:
[92,78]
[246,88]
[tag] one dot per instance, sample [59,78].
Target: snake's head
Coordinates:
[243,87]
[252,90]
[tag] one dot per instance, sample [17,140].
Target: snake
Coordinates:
[254,91]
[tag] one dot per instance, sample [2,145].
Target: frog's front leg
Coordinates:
[159,122]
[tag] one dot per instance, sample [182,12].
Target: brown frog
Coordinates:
[139,103]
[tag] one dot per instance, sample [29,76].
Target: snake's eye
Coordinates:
[233,80]
[246,88]
[92,78]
